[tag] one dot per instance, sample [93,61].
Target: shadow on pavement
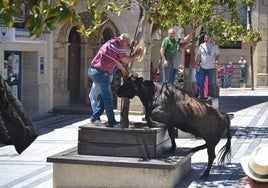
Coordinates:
[56,122]
[52,123]
[236,103]
[249,132]
[220,176]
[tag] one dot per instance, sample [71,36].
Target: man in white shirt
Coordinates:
[208,56]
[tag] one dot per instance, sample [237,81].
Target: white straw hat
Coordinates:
[256,165]
[127,37]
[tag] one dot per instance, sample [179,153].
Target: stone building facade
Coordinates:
[26,66]
[260,58]
[127,23]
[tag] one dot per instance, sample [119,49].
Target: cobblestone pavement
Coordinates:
[58,133]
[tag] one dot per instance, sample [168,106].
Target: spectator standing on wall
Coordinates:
[168,52]
[198,82]
[208,56]
[243,71]
[187,61]
[221,75]
[229,74]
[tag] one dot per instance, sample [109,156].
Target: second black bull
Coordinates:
[175,108]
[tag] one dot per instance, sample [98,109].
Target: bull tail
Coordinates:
[225,151]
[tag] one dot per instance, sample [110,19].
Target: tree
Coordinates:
[41,16]
[219,17]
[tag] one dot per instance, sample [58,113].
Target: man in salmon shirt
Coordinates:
[106,62]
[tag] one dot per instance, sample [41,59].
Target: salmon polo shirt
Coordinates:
[110,53]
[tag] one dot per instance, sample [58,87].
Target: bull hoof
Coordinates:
[192,150]
[152,126]
[204,176]
[172,150]
[145,159]
[158,125]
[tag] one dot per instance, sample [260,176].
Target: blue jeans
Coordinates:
[168,72]
[228,80]
[94,95]
[210,74]
[102,81]
[174,75]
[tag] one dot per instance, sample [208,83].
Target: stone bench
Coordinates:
[116,157]
[73,170]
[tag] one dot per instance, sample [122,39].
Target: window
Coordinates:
[243,14]
[232,45]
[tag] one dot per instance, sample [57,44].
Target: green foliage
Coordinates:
[220,17]
[40,19]
[43,16]
[252,37]
[7,11]
[99,10]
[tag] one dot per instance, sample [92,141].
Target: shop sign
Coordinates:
[7,34]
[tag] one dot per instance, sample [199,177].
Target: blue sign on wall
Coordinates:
[42,65]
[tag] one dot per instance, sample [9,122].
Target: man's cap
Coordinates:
[256,165]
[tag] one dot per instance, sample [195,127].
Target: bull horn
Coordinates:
[132,73]
[143,49]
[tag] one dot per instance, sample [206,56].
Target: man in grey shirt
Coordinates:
[208,56]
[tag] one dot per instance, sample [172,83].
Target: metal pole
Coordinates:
[251,50]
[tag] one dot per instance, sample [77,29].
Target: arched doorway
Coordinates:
[106,35]
[74,64]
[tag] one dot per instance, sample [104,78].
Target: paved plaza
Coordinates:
[58,133]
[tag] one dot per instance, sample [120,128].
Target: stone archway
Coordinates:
[74,64]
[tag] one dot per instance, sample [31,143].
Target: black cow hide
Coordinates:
[16,127]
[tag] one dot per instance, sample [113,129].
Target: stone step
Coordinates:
[123,142]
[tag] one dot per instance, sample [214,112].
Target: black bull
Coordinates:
[174,107]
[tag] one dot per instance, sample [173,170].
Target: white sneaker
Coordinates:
[97,123]
[93,120]
[210,98]
[116,126]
